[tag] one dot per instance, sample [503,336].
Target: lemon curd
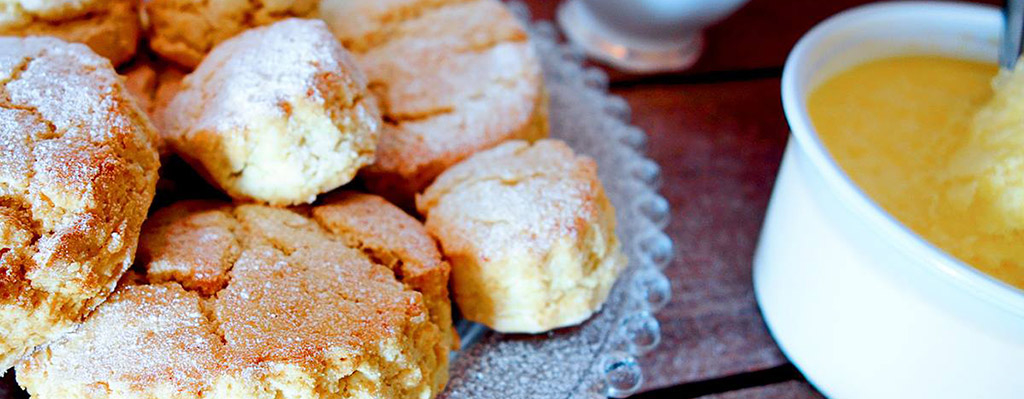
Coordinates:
[931,142]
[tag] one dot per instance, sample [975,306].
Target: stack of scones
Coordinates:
[367,157]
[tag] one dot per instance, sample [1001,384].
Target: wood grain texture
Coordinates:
[785,390]
[719,146]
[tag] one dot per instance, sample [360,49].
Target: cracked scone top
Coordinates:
[277,114]
[252,301]
[77,174]
[452,77]
[185,30]
[109,27]
[530,235]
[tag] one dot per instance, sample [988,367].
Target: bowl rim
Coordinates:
[939,263]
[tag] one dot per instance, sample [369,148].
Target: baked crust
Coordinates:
[78,171]
[453,77]
[278,114]
[530,235]
[140,78]
[109,27]
[394,239]
[183,31]
[154,84]
[251,301]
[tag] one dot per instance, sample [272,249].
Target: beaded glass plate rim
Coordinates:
[598,358]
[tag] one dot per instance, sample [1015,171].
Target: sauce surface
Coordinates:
[928,139]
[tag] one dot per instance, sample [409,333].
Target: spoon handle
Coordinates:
[1013,28]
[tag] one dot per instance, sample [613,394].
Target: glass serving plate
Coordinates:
[598,358]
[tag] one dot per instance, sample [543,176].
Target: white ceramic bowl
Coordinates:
[864,307]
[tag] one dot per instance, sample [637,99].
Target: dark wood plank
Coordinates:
[719,146]
[759,35]
[785,390]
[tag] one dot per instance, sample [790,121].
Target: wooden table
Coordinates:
[718,132]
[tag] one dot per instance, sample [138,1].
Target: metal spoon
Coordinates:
[1013,29]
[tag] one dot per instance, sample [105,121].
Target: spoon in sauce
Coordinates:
[1013,29]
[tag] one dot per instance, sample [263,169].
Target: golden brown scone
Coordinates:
[394,239]
[77,175]
[277,114]
[453,77]
[108,27]
[252,301]
[153,84]
[168,83]
[183,31]
[530,234]
[140,78]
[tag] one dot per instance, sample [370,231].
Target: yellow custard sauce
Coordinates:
[928,139]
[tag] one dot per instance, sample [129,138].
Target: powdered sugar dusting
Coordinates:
[250,76]
[452,78]
[77,172]
[297,299]
[539,194]
[144,335]
[278,114]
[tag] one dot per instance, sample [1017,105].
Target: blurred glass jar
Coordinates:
[643,35]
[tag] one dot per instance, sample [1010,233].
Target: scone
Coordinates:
[530,235]
[277,114]
[153,84]
[77,175]
[252,301]
[452,78]
[183,31]
[140,78]
[109,27]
